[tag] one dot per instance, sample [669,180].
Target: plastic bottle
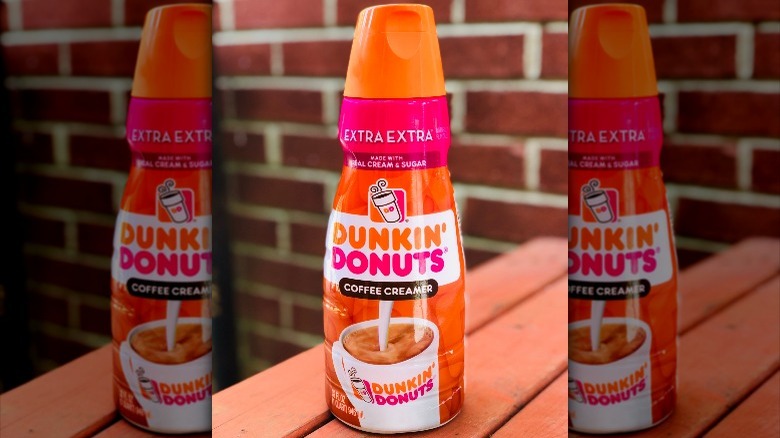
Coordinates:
[394,271]
[622,261]
[161,268]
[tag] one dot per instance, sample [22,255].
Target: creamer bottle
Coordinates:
[622,262]
[161,268]
[394,272]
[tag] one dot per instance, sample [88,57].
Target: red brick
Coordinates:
[528,113]
[248,59]
[255,231]
[40,231]
[103,58]
[135,10]
[653,8]
[95,239]
[32,59]
[512,222]
[257,308]
[95,319]
[729,113]
[73,276]
[475,257]
[100,152]
[282,193]
[321,58]
[482,57]
[555,55]
[553,173]
[728,10]
[280,274]
[59,350]
[314,152]
[695,56]
[308,320]
[767,58]
[308,239]
[274,350]
[3,17]
[713,166]
[253,14]
[512,10]
[283,105]
[725,222]
[243,146]
[44,14]
[65,105]
[33,147]
[766,171]
[48,309]
[67,193]
[348,10]
[500,166]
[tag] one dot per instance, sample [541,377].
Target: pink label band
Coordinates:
[177,161]
[170,126]
[614,134]
[394,134]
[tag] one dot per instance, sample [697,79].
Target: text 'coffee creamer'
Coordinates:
[161,268]
[394,273]
[622,261]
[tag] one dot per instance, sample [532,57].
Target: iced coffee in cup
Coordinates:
[385,395]
[173,202]
[598,202]
[386,202]
[612,387]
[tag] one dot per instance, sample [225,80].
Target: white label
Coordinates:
[418,248]
[633,247]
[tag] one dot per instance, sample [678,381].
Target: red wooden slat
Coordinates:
[759,414]
[542,417]
[715,282]
[75,400]
[122,429]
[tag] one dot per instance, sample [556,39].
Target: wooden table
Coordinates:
[515,362]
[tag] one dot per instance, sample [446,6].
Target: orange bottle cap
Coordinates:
[174,60]
[610,54]
[395,54]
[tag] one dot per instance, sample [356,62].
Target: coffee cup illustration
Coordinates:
[598,202]
[385,201]
[371,386]
[173,202]
[610,389]
[175,397]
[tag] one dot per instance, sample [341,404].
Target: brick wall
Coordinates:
[718,64]
[280,71]
[70,64]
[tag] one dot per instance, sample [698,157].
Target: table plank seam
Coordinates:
[727,304]
[731,408]
[515,304]
[531,399]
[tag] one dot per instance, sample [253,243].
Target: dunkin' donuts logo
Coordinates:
[174,394]
[599,205]
[174,204]
[389,204]
[612,392]
[394,393]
